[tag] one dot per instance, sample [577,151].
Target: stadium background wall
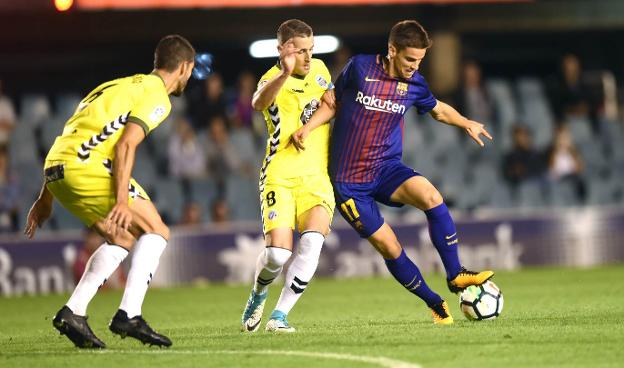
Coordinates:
[577,237]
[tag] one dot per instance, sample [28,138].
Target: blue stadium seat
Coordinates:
[50,129]
[243,198]
[66,105]
[22,146]
[502,97]
[535,110]
[580,128]
[530,194]
[62,219]
[35,108]
[563,194]
[168,198]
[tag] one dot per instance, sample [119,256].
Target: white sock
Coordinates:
[301,270]
[103,262]
[269,265]
[145,259]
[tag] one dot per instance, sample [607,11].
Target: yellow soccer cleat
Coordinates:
[441,314]
[467,278]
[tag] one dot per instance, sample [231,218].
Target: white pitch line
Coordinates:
[380,361]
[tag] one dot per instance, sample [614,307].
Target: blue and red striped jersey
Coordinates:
[368,130]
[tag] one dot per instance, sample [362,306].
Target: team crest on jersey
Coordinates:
[401,89]
[158,113]
[321,81]
[308,110]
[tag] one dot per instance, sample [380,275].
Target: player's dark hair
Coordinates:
[293,28]
[409,33]
[171,51]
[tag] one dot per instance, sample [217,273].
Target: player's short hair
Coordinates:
[171,51]
[293,28]
[409,33]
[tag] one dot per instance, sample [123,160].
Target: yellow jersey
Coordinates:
[95,127]
[295,103]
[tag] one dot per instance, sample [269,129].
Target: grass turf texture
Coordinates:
[551,318]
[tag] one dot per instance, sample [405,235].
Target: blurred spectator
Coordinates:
[341,56]
[472,98]
[187,157]
[570,95]
[211,102]
[523,162]
[223,158]
[7,117]
[242,112]
[564,161]
[9,194]
[92,241]
[191,215]
[220,211]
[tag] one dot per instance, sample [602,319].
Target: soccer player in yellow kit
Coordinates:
[88,171]
[295,190]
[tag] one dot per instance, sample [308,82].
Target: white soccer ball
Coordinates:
[481,302]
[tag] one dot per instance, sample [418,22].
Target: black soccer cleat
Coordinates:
[76,329]
[136,327]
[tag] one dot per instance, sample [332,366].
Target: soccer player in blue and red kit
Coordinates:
[369,101]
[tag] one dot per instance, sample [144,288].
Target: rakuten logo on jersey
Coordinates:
[377,104]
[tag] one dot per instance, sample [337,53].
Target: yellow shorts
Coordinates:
[282,201]
[86,189]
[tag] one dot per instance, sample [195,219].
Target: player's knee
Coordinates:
[433,198]
[158,228]
[310,245]
[277,257]
[124,240]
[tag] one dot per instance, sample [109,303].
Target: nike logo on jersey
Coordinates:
[372,80]
[450,236]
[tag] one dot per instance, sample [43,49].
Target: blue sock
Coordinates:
[408,275]
[444,237]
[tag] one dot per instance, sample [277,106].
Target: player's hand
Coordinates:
[119,218]
[38,214]
[475,129]
[287,56]
[298,137]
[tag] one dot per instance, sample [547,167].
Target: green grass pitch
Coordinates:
[552,318]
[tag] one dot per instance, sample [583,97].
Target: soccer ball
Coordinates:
[481,302]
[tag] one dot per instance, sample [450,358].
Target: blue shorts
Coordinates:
[357,201]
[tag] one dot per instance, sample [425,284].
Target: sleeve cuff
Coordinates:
[139,122]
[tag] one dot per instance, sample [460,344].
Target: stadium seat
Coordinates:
[535,110]
[35,108]
[580,128]
[530,194]
[243,198]
[502,97]
[563,194]
[168,198]
[66,105]
[62,219]
[49,130]
[22,147]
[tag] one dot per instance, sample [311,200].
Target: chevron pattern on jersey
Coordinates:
[84,152]
[273,144]
[108,164]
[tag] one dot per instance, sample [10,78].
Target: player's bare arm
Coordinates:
[445,113]
[325,112]
[39,212]
[120,216]
[266,94]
